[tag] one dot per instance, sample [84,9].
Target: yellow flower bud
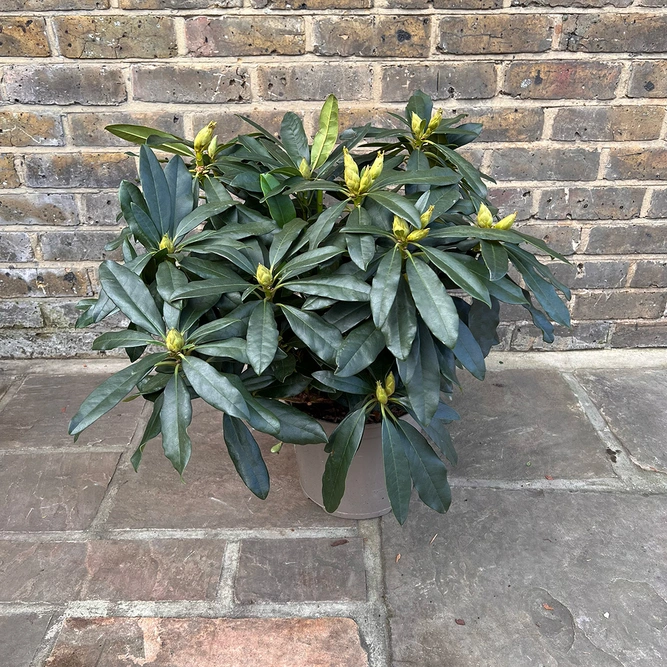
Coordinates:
[276,448]
[213,147]
[417,125]
[506,222]
[351,174]
[484,217]
[304,169]
[434,122]
[418,235]
[263,276]
[376,167]
[174,340]
[400,228]
[390,384]
[204,136]
[166,243]
[425,217]
[381,394]
[366,181]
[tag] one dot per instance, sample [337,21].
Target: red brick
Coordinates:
[312,4]
[279,642]
[179,4]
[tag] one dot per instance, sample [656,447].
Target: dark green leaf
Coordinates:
[112,391]
[281,206]
[215,388]
[156,190]
[262,337]
[469,353]
[131,295]
[283,240]
[398,205]
[439,176]
[169,279]
[396,470]
[326,136]
[322,227]
[147,232]
[496,259]
[400,327]
[246,456]
[234,348]
[320,336]
[348,385]
[344,315]
[115,339]
[433,303]
[296,427]
[180,182]
[201,213]
[341,288]
[308,260]
[385,285]
[224,328]
[294,138]
[359,350]
[437,431]
[483,324]
[343,444]
[152,430]
[209,287]
[175,417]
[138,134]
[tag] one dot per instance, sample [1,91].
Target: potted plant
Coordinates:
[291,285]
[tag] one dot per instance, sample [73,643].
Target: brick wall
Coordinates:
[572,94]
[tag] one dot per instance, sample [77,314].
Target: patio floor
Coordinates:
[554,553]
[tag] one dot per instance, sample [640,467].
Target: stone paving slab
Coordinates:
[213,495]
[53,490]
[20,637]
[110,570]
[634,404]
[201,642]
[559,579]
[301,571]
[5,382]
[524,424]
[38,414]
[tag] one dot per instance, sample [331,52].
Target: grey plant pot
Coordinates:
[365,494]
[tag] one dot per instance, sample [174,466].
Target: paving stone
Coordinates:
[5,382]
[551,579]
[521,417]
[631,401]
[20,637]
[213,495]
[53,491]
[39,414]
[209,642]
[109,570]
[301,571]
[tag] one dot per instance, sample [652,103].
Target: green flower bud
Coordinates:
[425,217]
[390,384]
[174,341]
[167,243]
[400,228]
[484,217]
[417,125]
[276,448]
[204,136]
[434,122]
[304,169]
[366,181]
[264,276]
[381,394]
[213,147]
[418,235]
[506,222]
[376,167]
[351,174]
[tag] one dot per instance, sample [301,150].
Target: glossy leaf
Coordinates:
[398,205]
[483,324]
[281,206]
[262,337]
[340,288]
[320,336]
[169,279]
[469,353]
[116,339]
[496,259]
[343,445]
[294,138]
[234,348]
[308,261]
[437,431]
[156,190]
[326,136]
[201,213]
[246,456]
[348,385]
[138,134]
[283,240]
[209,287]
[324,224]
[296,427]
[344,315]
[359,349]
[175,417]
[396,470]
[385,285]
[152,430]
[400,327]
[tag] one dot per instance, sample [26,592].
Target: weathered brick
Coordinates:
[585,274]
[617,123]
[8,176]
[627,239]
[20,128]
[245,36]
[565,239]
[506,123]
[544,164]
[572,3]
[116,36]
[44,282]
[457,80]
[495,33]
[650,273]
[61,314]
[639,163]
[25,314]
[648,79]
[658,205]
[23,37]
[179,4]
[229,124]
[653,3]
[564,79]
[47,5]
[581,336]
[509,200]
[38,209]
[640,335]
[620,305]
[76,246]
[75,170]
[312,4]
[315,82]
[99,208]
[358,116]
[591,203]
[20,637]
[615,32]
[467,4]
[191,83]
[65,84]
[35,344]
[87,129]
[15,247]
[376,36]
